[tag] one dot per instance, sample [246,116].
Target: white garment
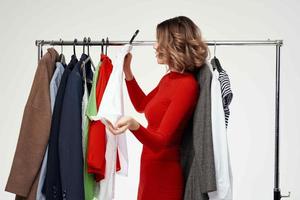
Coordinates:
[112,108]
[221,152]
[83,109]
[54,84]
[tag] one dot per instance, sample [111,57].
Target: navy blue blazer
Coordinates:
[70,134]
[52,184]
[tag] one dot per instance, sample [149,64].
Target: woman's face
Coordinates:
[159,60]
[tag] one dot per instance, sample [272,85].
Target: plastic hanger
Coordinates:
[102,45]
[84,44]
[88,45]
[215,61]
[134,35]
[74,49]
[106,42]
[88,59]
[61,56]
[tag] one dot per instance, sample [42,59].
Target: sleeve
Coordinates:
[138,98]
[180,108]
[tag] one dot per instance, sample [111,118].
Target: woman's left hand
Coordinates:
[124,123]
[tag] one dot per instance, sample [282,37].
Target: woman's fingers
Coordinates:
[121,122]
[120,126]
[118,130]
[108,123]
[121,129]
[127,61]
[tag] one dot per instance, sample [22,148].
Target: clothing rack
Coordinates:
[277,43]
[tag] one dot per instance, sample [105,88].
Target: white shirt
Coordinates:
[221,152]
[54,84]
[112,108]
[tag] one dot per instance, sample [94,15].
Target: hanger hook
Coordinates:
[215,47]
[88,46]
[84,44]
[134,35]
[61,46]
[107,42]
[42,43]
[74,49]
[102,45]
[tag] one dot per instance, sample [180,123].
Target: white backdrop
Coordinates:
[251,69]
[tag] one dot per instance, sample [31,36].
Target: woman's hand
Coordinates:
[122,125]
[127,66]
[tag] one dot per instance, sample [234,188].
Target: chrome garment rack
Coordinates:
[276,43]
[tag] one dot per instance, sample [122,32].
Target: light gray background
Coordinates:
[251,69]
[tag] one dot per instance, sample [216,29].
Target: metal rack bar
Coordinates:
[151,42]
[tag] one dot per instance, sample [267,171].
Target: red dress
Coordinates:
[167,109]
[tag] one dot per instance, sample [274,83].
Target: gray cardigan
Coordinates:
[197,156]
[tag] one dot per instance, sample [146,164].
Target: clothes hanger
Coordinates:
[89,57]
[88,46]
[87,60]
[134,35]
[62,58]
[42,48]
[84,43]
[215,61]
[102,45]
[106,42]
[74,50]
[82,67]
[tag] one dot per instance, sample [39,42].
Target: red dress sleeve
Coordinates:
[181,106]
[138,98]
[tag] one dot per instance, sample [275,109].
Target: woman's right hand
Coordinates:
[127,66]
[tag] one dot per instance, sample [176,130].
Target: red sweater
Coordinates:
[167,109]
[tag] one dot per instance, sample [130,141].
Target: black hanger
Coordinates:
[84,44]
[74,50]
[215,61]
[42,42]
[106,42]
[216,64]
[88,46]
[102,45]
[134,35]
[61,56]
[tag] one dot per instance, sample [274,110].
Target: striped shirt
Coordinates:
[226,93]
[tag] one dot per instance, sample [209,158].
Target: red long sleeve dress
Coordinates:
[167,109]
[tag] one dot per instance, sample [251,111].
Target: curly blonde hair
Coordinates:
[180,44]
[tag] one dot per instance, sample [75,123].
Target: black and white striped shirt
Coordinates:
[226,93]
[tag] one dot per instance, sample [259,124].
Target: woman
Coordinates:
[167,108]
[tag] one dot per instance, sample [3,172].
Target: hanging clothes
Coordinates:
[97,134]
[54,85]
[112,108]
[89,92]
[70,135]
[197,155]
[52,184]
[221,152]
[226,93]
[34,132]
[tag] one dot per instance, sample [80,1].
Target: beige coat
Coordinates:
[34,132]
